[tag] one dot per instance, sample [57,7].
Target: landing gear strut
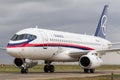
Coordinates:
[24,69]
[89,70]
[48,67]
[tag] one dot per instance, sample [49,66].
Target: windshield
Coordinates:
[23,36]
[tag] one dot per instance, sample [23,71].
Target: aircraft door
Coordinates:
[45,40]
[46,51]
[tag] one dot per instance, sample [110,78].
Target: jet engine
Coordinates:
[24,63]
[90,61]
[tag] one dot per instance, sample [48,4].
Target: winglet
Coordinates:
[101,28]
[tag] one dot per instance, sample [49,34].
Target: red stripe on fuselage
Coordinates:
[52,45]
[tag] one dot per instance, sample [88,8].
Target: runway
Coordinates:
[55,75]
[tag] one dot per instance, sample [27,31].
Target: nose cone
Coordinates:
[14,48]
[15,52]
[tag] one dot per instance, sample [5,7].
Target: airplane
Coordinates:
[29,45]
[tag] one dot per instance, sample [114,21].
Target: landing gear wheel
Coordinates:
[89,70]
[24,71]
[86,70]
[92,70]
[51,67]
[46,68]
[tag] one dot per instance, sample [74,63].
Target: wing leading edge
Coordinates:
[101,52]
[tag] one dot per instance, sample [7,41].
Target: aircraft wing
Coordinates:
[78,53]
[109,51]
[1,48]
[115,43]
[101,52]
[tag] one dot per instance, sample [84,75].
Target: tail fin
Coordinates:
[101,28]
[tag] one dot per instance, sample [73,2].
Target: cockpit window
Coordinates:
[14,37]
[23,36]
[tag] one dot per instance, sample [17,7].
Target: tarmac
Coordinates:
[55,75]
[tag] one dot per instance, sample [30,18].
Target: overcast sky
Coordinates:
[77,16]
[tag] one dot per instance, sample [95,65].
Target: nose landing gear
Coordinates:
[23,71]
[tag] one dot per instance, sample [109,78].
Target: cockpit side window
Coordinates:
[23,36]
[14,37]
[32,37]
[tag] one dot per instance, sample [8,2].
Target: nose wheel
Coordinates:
[23,71]
[48,67]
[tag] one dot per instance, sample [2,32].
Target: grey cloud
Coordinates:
[79,16]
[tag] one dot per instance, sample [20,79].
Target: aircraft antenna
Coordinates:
[36,26]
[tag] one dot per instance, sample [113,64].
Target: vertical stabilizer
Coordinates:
[101,28]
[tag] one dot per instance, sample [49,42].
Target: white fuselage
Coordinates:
[53,45]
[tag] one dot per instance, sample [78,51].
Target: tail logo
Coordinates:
[103,24]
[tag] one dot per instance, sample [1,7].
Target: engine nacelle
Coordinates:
[90,61]
[27,63]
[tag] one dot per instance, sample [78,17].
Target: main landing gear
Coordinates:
[89,70]
[48,67]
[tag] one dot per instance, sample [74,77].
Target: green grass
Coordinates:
[109,67]
[39,68]
[8,68]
